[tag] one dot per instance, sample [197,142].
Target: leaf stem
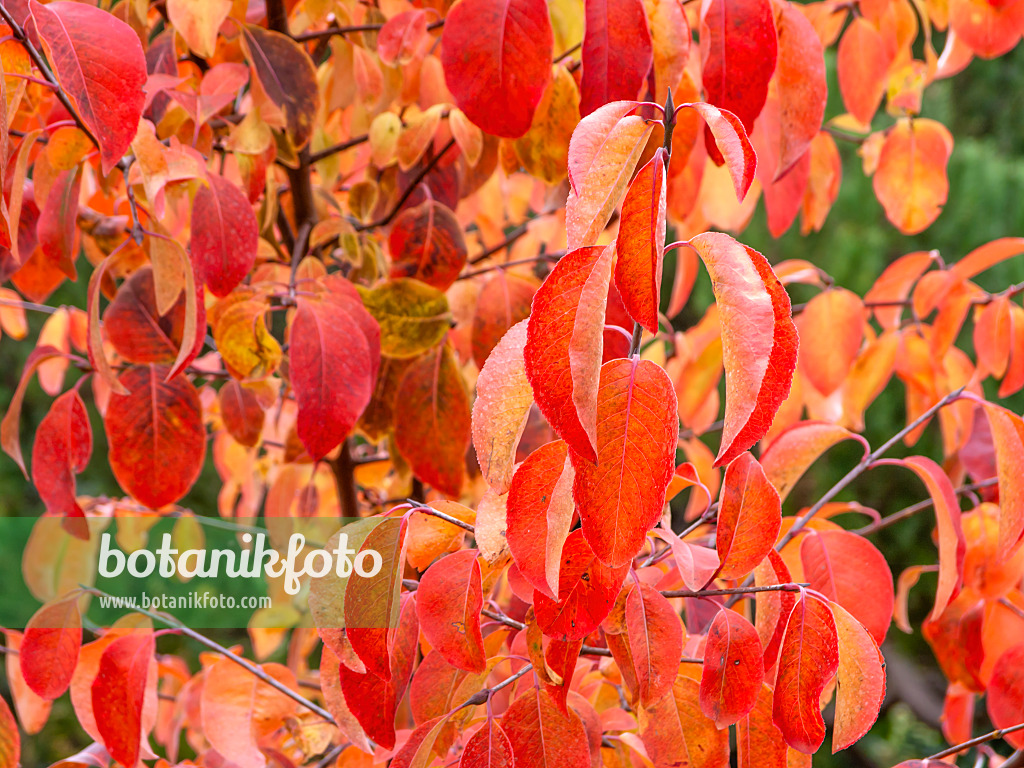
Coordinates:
[734,590]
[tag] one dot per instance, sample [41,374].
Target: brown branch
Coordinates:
[351,30]
[990,736]
[733,590]
[913,509]
[258,672]
[386,219]
[343,468]
[512,237]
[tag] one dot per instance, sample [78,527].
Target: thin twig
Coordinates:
[733,590]
[213,645]
[913,509]
[351,30]
[514,235]
[517,263]
[990,736]
[424,172]
[864,464]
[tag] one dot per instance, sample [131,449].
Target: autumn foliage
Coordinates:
[412,260]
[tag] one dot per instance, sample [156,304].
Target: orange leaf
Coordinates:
[862,63]
[861,686]
[238,709]
[503,302]
[894,284]
[489,747]
[800,76]
[758,337]
[1008,439]
[831,330]
[773,608]
[501,408]
[911,182]
[731,143]
[640,244]
[448,604]
[796,449]
[808,660]
[539,512]
[749,517]
[759,741]
[564,343]
[603,152]
[988,29]
[733,669]
[676,732]
[10,739]
[623,495]
[655,635]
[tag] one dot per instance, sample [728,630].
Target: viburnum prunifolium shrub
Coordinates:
[407,260]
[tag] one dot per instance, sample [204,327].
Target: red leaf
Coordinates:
[564,342]
[372,605]
[332,373]
[749,518]
[831,330]
[372,701]
[655,636]
[118,694]
[808,660]
[622,496]
[135,327]
[99,62]
[586,591]
[62,449]
[489,747]
[542,736]
[732,144]
[617,52]
[861,686]
[156,435]
[850,570]
[448,603]
[759,339]
[733,669]
[539,513]
[952,545]
[640,244]
[800,76]
[49,649]
[677,733]
[400,35]
[432,420]
[773,607]
[224,235]
[496,56]
[56,228]
[426,243]
[738,47]
[1005,695]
